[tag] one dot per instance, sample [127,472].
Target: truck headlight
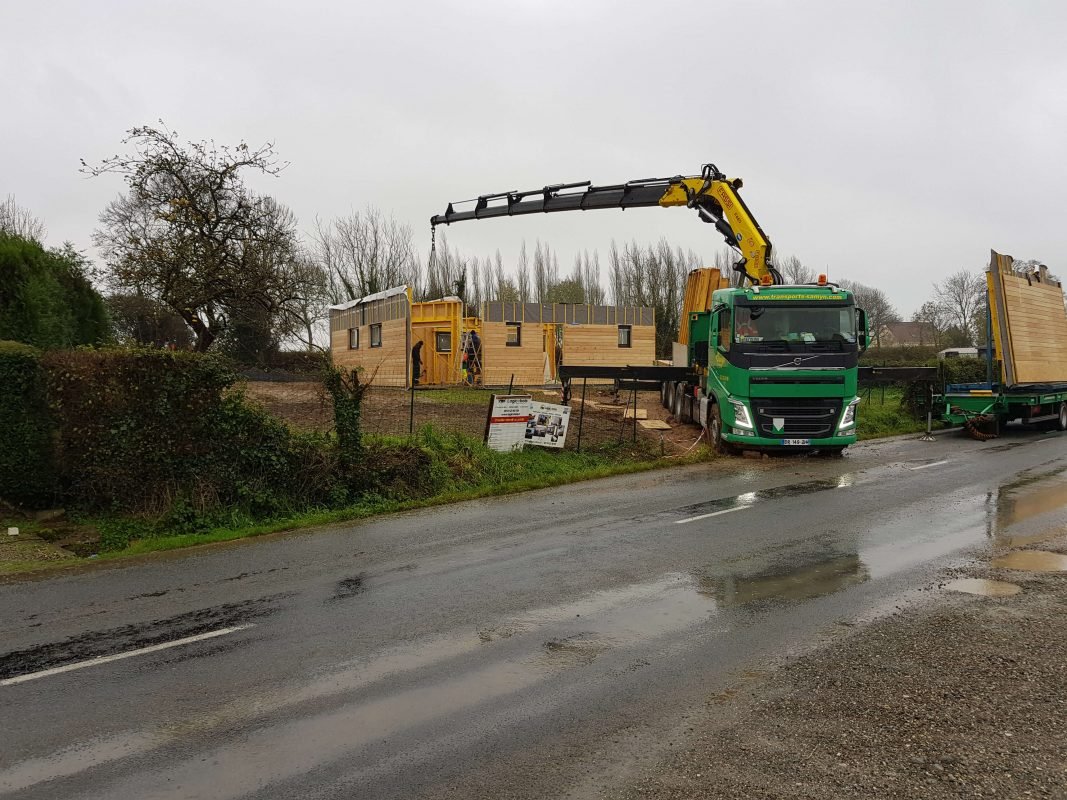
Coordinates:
[741,417]
[848,418]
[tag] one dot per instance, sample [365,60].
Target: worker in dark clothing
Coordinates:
[416,363]
[473,356]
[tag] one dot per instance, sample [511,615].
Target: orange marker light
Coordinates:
[822,280]
[765,280]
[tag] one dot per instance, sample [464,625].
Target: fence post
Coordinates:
[411,413]
[581,416]
[634,387]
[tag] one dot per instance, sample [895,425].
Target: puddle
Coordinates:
[775,493]
[1032,561]
[795,583]
[984,587]
[1016,503]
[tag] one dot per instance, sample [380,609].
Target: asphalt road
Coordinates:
[543,645]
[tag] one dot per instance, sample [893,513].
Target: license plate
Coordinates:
[797,442]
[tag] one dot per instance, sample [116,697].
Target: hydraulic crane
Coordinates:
[712,195]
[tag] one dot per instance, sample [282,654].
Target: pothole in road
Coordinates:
[1032,561]
[984,587]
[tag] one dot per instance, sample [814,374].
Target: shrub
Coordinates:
[27,475]
[45,297]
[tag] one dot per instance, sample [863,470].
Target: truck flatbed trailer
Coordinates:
[983,408]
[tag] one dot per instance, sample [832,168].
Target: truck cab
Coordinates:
[778,367]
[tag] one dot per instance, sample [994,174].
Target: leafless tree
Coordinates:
[18,221]
[880,311]
[794,271]
[961,296]
[522,283]
[364,253]
[189,233]
[934,323]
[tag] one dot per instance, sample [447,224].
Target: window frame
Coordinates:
[376,328]
[508,328]
[437,341]
[353,336]
[629,330]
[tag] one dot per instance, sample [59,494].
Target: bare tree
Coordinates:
[523,277]
[795,272]
[190,234]
[961,295]
[364,253]
[18,221]
[880,312]
[934,322]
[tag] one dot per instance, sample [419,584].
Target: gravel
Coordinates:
[964,697]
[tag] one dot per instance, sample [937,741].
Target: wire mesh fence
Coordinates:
[604,422]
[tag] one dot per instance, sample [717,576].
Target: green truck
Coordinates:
[773,367]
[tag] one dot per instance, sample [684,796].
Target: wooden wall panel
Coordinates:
[387,364]
[500,362]
[1036,340]
[598,345]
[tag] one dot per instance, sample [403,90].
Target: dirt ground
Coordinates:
[305,405]
[962,696]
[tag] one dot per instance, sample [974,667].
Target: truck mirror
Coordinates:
[864,332]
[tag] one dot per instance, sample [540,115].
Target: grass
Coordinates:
[457,396]
[877,418]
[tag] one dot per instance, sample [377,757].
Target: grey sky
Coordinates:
[890,143]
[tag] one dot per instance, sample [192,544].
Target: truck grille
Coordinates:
[807,417]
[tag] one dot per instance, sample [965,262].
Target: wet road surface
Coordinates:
[543,645]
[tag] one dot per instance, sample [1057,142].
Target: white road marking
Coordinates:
[935,464]
[712,514]
[92,662]
[1047,439]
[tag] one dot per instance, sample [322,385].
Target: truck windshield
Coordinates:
[801,324]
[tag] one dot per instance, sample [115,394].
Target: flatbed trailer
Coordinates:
[983,408]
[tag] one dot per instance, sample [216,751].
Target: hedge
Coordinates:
[27,474]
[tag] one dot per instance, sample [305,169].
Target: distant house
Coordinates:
[907,334]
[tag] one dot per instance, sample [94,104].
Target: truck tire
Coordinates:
[678,402]
[718,444]
[664,393]
[1061,422]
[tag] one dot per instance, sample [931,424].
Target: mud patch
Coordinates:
[1032,561]
[984,587]
[132,637]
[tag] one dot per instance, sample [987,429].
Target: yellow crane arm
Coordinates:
[712,195]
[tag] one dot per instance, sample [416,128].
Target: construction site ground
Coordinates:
[305,406]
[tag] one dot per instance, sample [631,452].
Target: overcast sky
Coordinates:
[891,143]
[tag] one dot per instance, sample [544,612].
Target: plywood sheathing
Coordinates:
[1029,325]
[642,413]
[654,424]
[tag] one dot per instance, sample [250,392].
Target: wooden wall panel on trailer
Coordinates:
[381,320]
[1029,325]
[500,361]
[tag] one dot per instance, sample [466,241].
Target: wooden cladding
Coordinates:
[385,310]
[598,345]
[1029,325]
[384,365]
[567,314]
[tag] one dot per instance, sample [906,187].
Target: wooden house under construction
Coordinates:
[520,343]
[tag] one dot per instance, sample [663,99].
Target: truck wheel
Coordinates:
[715,432]
[664,394]
[1061,423]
